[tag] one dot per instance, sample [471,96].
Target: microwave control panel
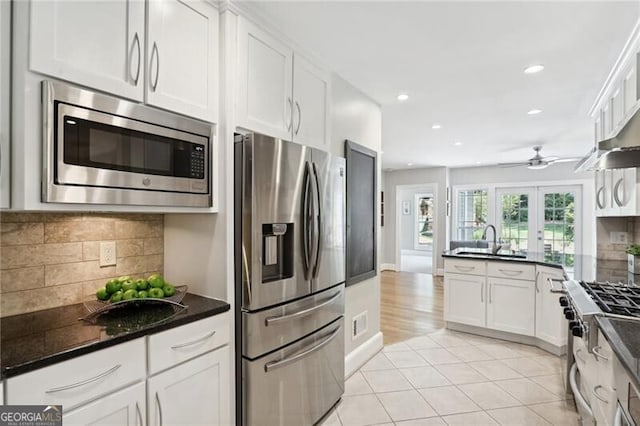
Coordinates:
[197,162]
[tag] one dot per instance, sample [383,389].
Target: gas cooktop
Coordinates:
[615,298]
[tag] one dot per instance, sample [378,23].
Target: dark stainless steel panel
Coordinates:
[121,110]
[296,385]
[330,173]
[272,186]
[267,330]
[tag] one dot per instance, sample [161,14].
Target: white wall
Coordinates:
[420,177]
[357,118]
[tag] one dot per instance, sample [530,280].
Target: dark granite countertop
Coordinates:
[624,338]
[502,255]
[38,339]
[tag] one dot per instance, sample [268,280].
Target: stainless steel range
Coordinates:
[583,303]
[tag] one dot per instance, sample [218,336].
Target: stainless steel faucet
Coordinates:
[495,247]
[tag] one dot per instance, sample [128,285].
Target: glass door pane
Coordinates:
[557,239]
[424,221]
[516,218]
[471,213]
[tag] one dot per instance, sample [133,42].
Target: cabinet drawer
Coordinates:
[179,344]
[511,270]
[461,266]
[78,380]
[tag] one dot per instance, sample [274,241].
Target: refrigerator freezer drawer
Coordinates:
[297,385]
[274,328]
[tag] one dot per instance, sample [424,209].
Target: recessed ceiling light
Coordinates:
[478,162]
[533,69]
[409,164]
[534,111]
[436,126]
[457,143]
[403,97]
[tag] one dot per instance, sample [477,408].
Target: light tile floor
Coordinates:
[451,378]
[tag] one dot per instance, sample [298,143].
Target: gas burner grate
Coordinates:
[620,299]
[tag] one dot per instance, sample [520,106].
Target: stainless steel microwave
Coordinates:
[99,149]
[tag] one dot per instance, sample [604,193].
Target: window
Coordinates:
[471,213]
[424,222]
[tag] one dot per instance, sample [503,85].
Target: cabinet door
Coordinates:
[551,326]
[624,192]
[629,87]
[193,393]
[607,120]
[311,90]
[99,44]
[511,305]
[465,299]
[126,407]
[182,57]
[5,66]
[265,67]
[602,193]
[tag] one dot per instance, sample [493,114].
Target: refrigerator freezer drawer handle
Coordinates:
[274,320]
[286,361]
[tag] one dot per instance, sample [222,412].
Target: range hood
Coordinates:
[619,152]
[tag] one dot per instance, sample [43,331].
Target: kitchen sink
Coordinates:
[486,252]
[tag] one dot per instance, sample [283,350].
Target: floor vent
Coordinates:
[359,325]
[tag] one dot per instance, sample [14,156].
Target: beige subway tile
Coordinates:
[20,302]
[90,287]
[58,232]
[90,250]
[138,229]
[126,248]
[12,234]
[76,272]
[155,263]
[153,246]
[21,256]
[21,217]
[21,279]
[130,265]
[62,253]
[62,217]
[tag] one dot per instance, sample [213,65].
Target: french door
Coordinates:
[543,220]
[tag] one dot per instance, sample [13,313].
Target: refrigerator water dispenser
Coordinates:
[277,251]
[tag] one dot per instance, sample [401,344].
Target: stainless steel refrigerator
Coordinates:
[289,276]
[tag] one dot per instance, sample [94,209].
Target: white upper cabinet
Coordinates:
[629,87]
[182,57]
[265,68]
[99,44]
[5,61]
[617,108]
[607,120]
[280,93]
[311,89]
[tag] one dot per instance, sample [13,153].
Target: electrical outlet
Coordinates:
[107,253]
[359,325]
[619,237]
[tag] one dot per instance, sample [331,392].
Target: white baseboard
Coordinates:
[388,267]
[363,353]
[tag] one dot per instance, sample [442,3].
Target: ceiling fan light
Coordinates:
[537,166]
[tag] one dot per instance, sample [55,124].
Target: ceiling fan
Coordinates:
[538,162]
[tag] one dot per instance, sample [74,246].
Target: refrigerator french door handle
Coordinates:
[305,221]
[318,219]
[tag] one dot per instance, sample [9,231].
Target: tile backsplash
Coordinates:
[611,250]
[52,259]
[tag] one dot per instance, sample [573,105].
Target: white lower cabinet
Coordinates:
[193,393]
[126,407]
[511,305]
[551,325]
[465,299]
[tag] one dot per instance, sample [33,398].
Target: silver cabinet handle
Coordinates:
[537,286]
[286,361]
[579,357]
[595,393]
[159,408]
[464,268]
[599,203]
[580,401]
[139,413]
[299,117]
[490,287]
[598,354]
[510,272]
[136,43]
[290,114]
[154,52]
[482,293]
[274,320]
[85,382]
[616,192]
[194,342]
[552,289]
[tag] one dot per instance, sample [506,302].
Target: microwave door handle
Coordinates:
[319,222]
[305,221]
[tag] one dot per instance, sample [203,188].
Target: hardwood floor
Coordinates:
[410,305]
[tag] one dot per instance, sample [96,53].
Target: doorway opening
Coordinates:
[415,235]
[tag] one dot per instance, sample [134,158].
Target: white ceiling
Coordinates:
[461,64]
